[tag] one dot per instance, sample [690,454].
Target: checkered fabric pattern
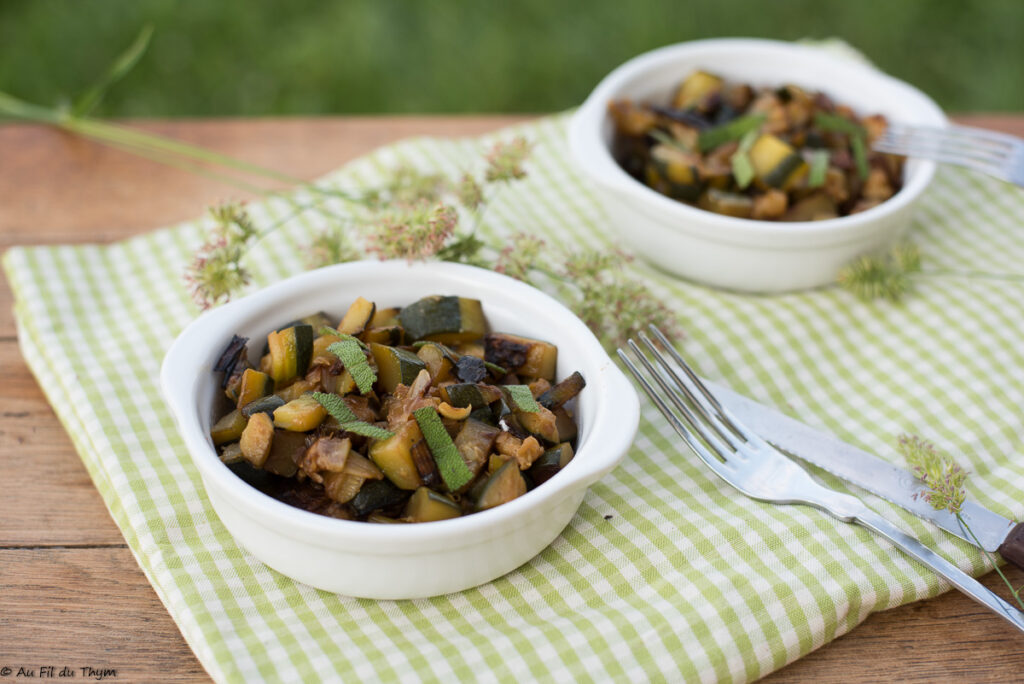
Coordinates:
[666,573]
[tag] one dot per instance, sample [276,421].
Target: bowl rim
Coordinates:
[592,154]
[603,442]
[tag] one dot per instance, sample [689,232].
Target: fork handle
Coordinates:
[957,577]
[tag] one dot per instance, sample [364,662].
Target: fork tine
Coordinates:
[715,463]
[687,413]
[719,410]
[681,388]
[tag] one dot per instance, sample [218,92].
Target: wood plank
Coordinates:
[88,607]
[49,499]
[948,638]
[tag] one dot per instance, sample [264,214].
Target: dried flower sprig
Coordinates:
[945,482]
[941,475]
[884,276]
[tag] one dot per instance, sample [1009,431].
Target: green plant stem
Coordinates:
[115,134]
[971,275]
[1014,592]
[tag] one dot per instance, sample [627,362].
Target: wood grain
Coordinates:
[70,591]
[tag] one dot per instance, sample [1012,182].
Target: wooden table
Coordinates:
[71,593]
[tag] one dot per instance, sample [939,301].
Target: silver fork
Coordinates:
[762,472]
[998,154]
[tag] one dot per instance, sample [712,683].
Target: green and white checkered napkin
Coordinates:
[666,573]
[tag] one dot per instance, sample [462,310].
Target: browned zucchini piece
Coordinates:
[505,484]
[391,334]
[384,318]
[257,438]
[300,415]
[254,386]
[563,391]
[550,462]
[470,394]
[445,319]
[541,424]
[231,454]
[285,451]
[815,207]
[673,172]
[566,425]
[263,405]
[522,355]
[395,366]
[394,456]
[426,505]
[291,350]
[695,89]
[376,495]
[474,442]
[776,163]
[439,364]
[357,317]
[229,428]
[726,203]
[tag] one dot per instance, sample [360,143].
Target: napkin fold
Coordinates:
[666,573]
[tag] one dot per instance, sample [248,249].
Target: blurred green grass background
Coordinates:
[264,57]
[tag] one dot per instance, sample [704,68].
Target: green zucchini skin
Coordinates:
[395,366]
[293,353]
[266,405]
[377,495]
[505,484]
[549,463]
[563,391]
[464,394]
[445,319]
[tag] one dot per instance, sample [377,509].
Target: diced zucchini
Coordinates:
[232,453]
[815,207]
[448,320]
[550,462]
[566,425]
[394,456]
[541,424]
[376,495]
[438,364]
[300,415]
[697,86]
[320,353]
[263,405]
[776,163]
[285,451]
[384,318]
[426,505]
[474,442]
[357,317]
[229,428]
[395,366]
[291,350]
[465,394]
[254,386]
[505,484]
[522,355]
[726,203]
[257,438]
[392,335]
[563,391]
[673,172]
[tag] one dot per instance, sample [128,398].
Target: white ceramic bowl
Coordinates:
[400,561]
[744,254]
